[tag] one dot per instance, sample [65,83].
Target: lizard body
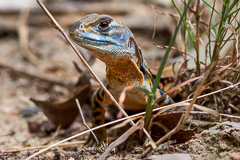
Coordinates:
[115,45]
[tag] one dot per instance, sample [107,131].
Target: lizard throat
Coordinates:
[128,75]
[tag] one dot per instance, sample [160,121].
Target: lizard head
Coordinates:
[105,37]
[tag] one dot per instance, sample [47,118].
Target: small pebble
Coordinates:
[21,139]
[223,146]
[28,112]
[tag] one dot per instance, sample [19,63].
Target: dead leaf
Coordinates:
[64,113]
[164,123]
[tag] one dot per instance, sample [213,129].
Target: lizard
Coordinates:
[114,44]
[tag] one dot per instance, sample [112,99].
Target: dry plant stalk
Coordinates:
[40,147]
[83,119]
[23,32]
[197,13]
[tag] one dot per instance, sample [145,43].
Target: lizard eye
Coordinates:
[103,25]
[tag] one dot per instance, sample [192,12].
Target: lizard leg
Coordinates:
[98,111]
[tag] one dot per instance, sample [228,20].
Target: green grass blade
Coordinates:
[207,3]
[164,60]
[231,6]
[220,30]
[236,77]
[143,90]
[212,27]
[236,11]
[209,30]
[185,23]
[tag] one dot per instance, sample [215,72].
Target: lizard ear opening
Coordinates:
[133,44]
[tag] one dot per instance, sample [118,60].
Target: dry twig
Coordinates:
[40,147]
[84,122]
[23,33]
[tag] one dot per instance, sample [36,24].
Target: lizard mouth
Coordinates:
[83,37]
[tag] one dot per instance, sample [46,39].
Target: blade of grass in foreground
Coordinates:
[149,108]
[212,20]
[226,9]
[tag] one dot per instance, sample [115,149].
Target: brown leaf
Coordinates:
[164,123]
[64,113]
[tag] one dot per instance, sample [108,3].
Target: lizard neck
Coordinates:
[124,74]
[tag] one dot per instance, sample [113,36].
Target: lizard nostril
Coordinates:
[81,27]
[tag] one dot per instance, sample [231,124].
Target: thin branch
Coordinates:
[197,38]
[23,33]
[83,119]
[40,147]
[221,114]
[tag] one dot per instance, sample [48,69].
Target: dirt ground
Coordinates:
[23,77]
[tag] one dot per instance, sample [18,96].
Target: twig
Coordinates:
[23,33]
[221,114]
[174,48]
[40,147]
[55,134]
[79,70]
[11,133]
[83,119]
[198,92]
[224,74]
[197,13]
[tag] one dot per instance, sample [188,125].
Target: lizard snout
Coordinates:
[77,26]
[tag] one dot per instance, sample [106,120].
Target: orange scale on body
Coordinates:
[161,85]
